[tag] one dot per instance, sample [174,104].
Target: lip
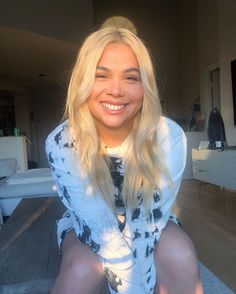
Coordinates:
[113,108]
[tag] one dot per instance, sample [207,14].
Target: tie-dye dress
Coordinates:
[123,239]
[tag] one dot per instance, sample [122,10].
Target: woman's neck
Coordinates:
[113,138]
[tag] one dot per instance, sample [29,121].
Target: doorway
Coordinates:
[7,113]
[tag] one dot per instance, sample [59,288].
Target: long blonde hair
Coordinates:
[143,165]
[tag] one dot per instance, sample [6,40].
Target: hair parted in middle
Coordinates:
[144,164]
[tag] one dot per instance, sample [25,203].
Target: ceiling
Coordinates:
[31,59]
[39,40]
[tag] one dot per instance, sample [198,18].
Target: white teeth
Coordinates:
[112,107]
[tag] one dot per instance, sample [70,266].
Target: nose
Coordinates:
[115,88]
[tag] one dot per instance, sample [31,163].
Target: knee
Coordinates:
[80,266]
[80,272]
[176,254]
[177,263]
[80,269]
[184,257]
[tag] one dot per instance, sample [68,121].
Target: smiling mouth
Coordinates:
[113,107]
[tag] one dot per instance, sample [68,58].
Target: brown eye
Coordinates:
[100,76]
[133,78]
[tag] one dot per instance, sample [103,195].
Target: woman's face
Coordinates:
[117,95]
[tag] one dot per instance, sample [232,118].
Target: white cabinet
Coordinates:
[215,167]
[15,147]
[193,140]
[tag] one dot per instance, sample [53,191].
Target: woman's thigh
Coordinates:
[176,263]
[80,269]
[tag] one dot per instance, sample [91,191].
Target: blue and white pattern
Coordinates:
[125,247]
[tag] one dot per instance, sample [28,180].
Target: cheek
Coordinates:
[92,103]
[92,96]
[97,90]
[137,95]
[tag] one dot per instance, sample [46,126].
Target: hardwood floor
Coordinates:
[208,215]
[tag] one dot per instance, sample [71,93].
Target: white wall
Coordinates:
[11,86]
[208,32]
[227,53]
[46,106]
[217,48]
[188,56]
[21,113]
[208,49]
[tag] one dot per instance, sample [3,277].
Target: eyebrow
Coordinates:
[130,69]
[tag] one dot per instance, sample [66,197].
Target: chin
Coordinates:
[115,125]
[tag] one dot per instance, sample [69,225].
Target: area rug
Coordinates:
[211,285]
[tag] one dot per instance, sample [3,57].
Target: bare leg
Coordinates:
[80,270]
[176,263]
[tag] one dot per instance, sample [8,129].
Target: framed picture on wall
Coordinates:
[233,75]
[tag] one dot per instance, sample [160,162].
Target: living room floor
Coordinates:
[208,214]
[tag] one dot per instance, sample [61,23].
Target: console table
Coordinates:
[215,167]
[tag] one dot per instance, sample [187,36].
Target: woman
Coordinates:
[118,166]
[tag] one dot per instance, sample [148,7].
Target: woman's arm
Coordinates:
[147,228]
[93,221]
